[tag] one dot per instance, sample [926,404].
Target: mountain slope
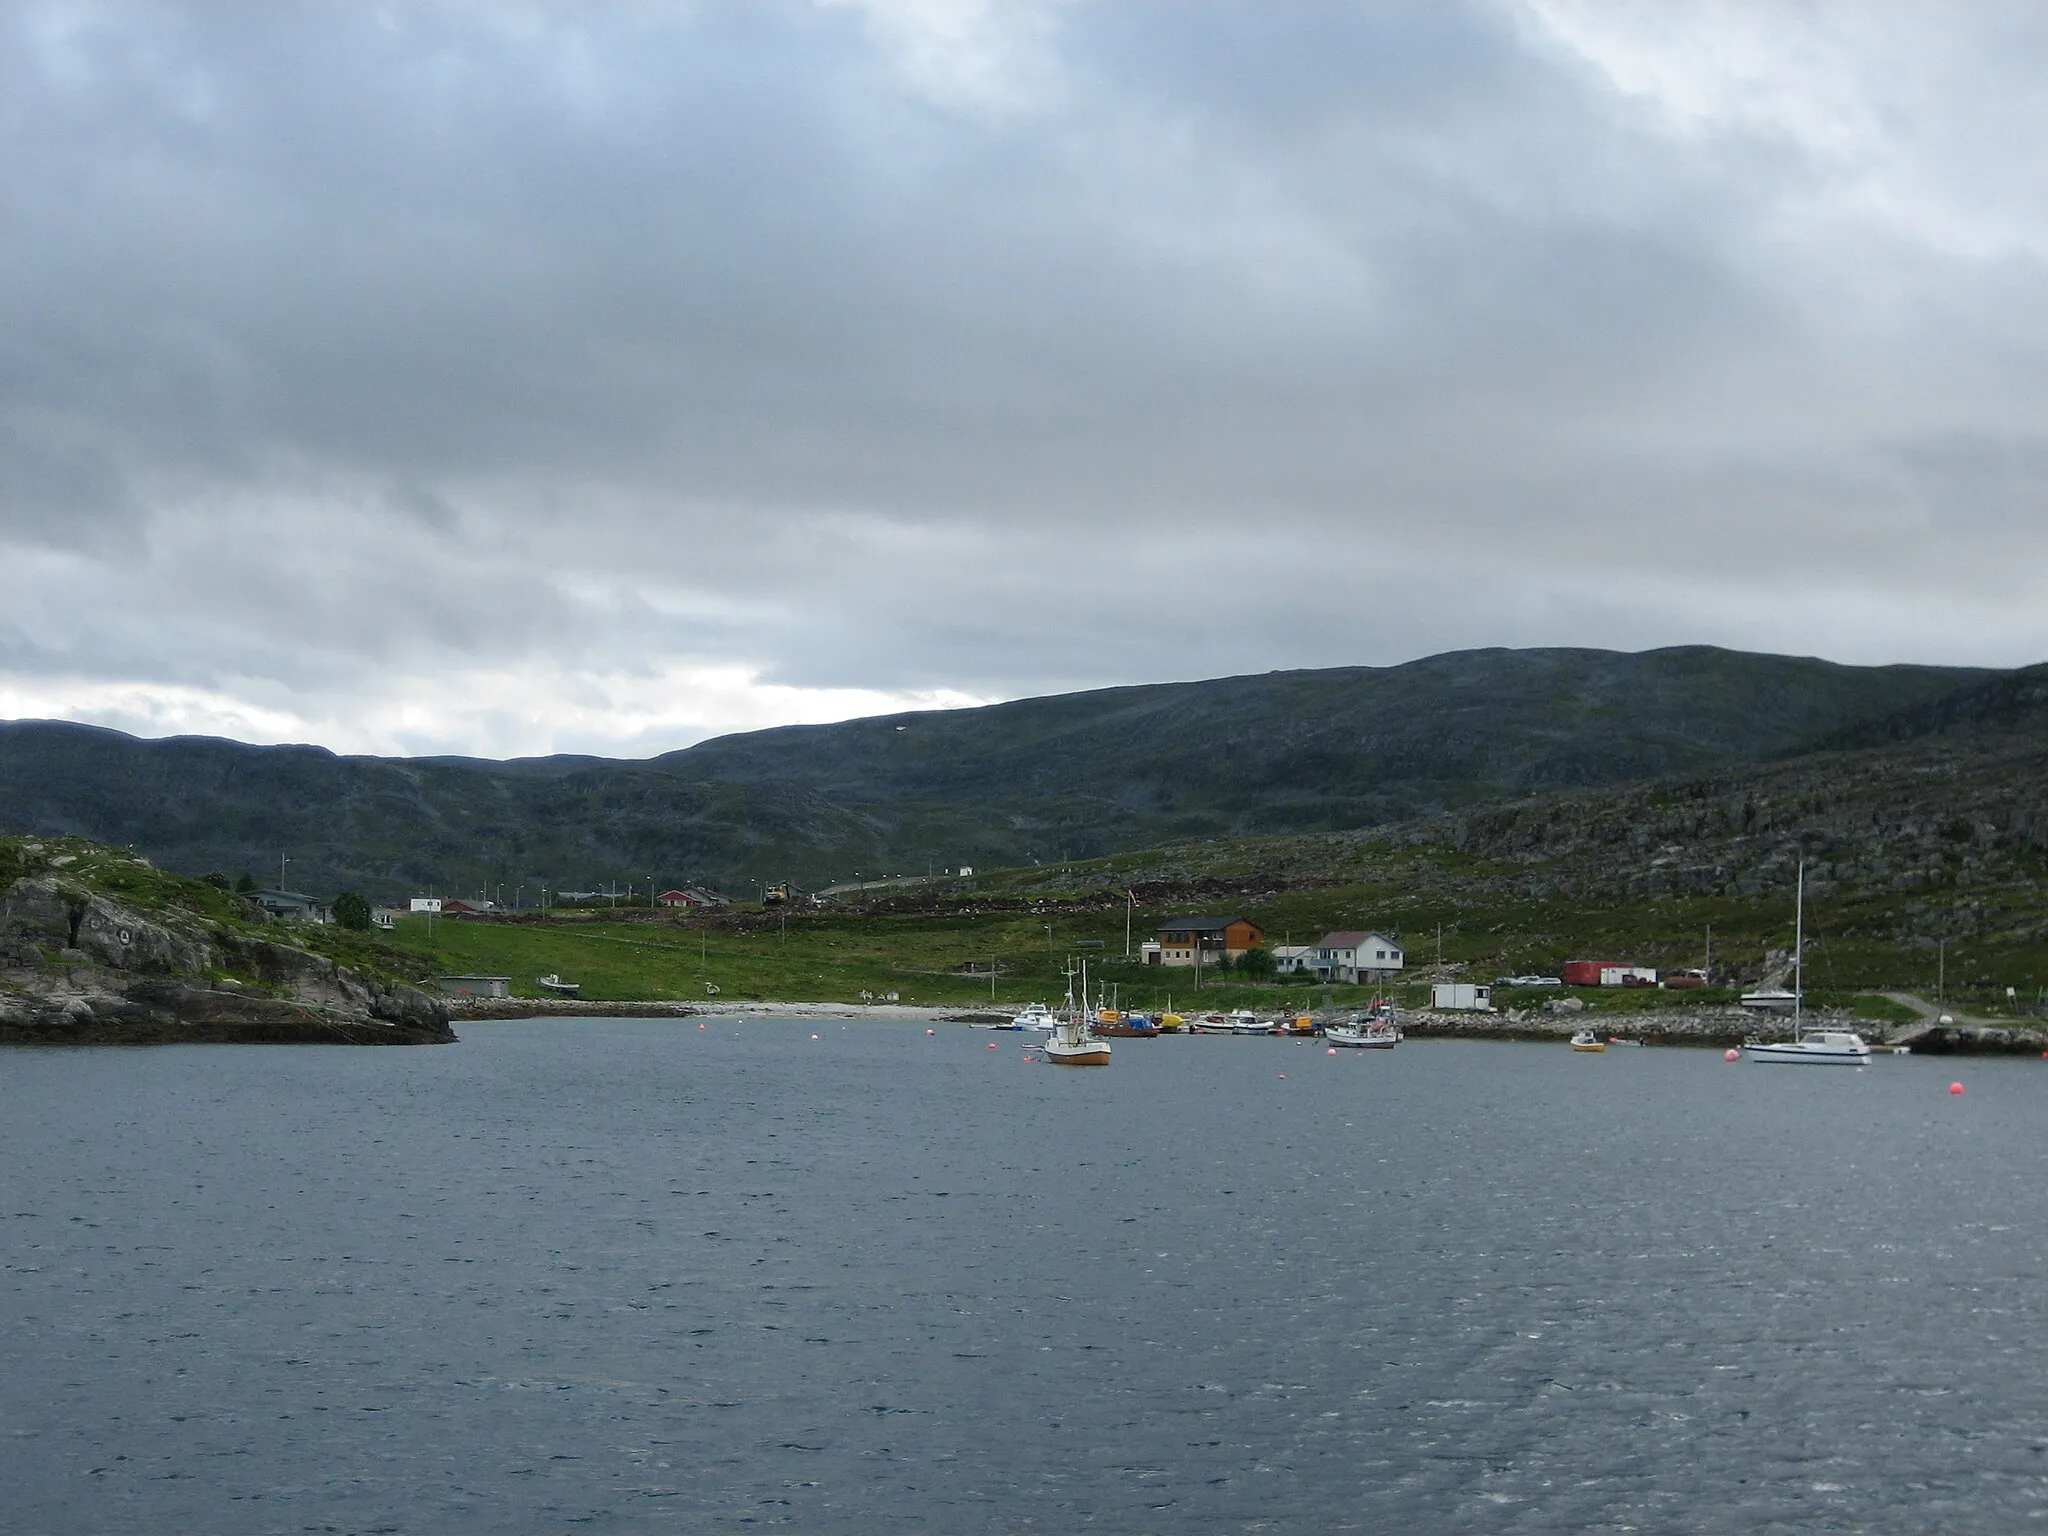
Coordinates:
[1067,776]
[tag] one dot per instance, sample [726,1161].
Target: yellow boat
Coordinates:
[1586,1040]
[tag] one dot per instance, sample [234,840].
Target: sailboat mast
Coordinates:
[1799,953]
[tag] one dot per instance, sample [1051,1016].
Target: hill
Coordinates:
[1037,780]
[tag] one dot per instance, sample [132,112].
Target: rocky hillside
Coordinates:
[1038,780]
[98,947]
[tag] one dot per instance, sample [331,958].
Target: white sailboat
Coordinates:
[1819,1047]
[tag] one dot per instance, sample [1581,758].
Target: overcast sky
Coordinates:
[515,377]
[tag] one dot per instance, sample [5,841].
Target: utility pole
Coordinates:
[1940,973]
[281,862]
[1130,905]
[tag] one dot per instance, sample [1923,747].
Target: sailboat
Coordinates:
[1072,1042]
[1822,1047]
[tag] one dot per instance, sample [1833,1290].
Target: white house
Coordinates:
[426,904]
[1293,959]
[1354,956]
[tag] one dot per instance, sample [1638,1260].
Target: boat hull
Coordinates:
[1360,1040]
[1808,1056]
[1076,1056]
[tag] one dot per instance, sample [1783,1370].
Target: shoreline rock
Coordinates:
[78,968]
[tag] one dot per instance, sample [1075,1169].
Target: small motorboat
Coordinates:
[1586,1040]
[554,984]
[1034,1016]
[1127,1026]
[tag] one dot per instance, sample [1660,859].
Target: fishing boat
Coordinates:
[1034,1016]
[1586,1040]
[1073,1041]
[1816,1046]
[1127,1026]
[1365,1032]
[554,984]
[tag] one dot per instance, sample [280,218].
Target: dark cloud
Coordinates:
[451,375]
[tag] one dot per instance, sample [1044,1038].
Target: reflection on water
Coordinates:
[629,1276]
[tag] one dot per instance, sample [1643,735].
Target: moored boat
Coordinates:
[553,983]
[1073,1041]
[1366,1032]
[1128,1026]
[1820,1046]
[1033,1016]
[1586,1040]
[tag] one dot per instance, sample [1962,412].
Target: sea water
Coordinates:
[637,1276]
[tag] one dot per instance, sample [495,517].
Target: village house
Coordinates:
[1183,940]
[1353,956]
[693,896]
[296,904]
[1294,959]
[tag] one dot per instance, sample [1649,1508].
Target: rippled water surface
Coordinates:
[623,1276]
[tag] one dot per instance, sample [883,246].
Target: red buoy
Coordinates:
[1955,1088]
[991,1045]
[1731,1054]
[1333,1051]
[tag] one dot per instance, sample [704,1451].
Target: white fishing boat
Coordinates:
[1586,1040]
[1819,1046]
[1368,1032]
[1073,1043]
[554,984]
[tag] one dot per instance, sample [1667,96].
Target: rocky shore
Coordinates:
[79,968]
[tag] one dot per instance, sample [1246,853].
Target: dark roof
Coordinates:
[1198,924]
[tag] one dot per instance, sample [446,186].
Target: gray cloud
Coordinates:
[452,366]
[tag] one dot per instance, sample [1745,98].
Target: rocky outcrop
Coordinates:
[78,967]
